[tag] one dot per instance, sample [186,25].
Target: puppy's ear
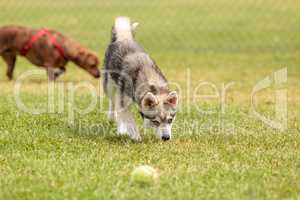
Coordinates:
[134,26]
[149,101]
[172,99]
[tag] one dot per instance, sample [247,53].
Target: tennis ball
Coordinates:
[144,175]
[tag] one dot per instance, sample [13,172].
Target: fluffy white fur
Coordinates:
[122,115]
[123,28]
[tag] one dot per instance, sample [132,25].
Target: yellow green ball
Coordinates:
[144,175]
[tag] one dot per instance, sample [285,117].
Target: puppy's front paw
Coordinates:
[136,138]
[111,116]
[130,130]
[122,129]
[133,133]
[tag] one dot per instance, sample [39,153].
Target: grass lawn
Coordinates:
[217,152]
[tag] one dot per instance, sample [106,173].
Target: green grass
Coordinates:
[229,155]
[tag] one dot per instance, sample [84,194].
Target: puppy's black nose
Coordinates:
[165,137]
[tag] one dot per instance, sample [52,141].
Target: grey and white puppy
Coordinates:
[131,76]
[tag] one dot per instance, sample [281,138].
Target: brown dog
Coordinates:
[44,48]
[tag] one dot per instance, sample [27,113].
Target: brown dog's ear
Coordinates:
[172,99]
[149,101]
[81,53]
[80,57]
[72,53]
[92,59]
[72,49]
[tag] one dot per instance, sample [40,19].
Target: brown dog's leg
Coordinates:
[51,73]
[10,59]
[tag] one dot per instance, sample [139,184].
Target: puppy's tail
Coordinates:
[123,29]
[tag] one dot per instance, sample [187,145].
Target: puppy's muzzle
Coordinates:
[165,137]
[165,134]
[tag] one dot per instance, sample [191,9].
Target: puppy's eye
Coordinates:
[155,122]
[170,121]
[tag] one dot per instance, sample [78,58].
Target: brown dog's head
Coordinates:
[88,61]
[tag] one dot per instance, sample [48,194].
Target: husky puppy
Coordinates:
[131,76]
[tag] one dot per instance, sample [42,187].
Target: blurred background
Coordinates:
[178,26]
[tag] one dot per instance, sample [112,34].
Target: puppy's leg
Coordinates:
[125,120]
[110,91]
[10,59]
[120,118]
[111,111]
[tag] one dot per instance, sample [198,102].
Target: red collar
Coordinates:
[35,37]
